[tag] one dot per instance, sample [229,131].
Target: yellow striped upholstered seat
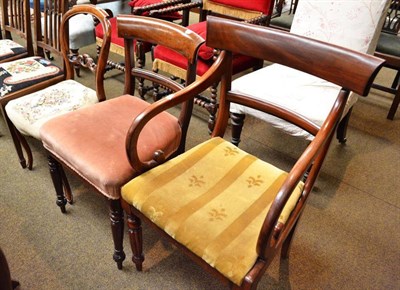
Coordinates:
[213,199]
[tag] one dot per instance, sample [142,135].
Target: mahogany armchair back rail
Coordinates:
[351,70]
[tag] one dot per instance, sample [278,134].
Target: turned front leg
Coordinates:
[56,176]
[135,236]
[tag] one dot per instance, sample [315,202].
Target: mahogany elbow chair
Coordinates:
[92,142]
[226,209]
[15,20]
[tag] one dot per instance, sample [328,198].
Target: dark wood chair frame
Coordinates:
[157,32]
[16,20]
[358,71]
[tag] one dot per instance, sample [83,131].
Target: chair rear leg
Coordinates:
[14,137]
[26,147]
[212,107]
[237,121]
[117,228]
[56,175]
[341,130]
[136,238]
[396,100]
[288,242]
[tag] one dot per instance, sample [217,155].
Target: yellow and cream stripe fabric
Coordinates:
[213,199]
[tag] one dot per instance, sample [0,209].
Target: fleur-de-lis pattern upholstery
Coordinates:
[230,246]
[19,74]
[352,24]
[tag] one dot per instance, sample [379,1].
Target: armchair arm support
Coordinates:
[312,156]
[187,94]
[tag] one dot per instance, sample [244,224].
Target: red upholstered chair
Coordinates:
[144,8]
[169,62]
[228,210]
[15,20]
[93,142]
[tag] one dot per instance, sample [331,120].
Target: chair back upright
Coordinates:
[71,60]
[16,19]
[357,72]
[47,30]
[392,20]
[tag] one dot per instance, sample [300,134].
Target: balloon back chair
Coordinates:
[16,20]
[227,209]
[169,62]
[94,142]
[388,48]
[29,112]
[24,76]
[316,19]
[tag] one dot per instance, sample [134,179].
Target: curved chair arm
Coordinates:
[85,60]
[272,234]
[188,93]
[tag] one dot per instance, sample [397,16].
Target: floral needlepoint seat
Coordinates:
[29,113]
[23,73]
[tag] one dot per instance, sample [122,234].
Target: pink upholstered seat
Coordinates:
[93,144]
